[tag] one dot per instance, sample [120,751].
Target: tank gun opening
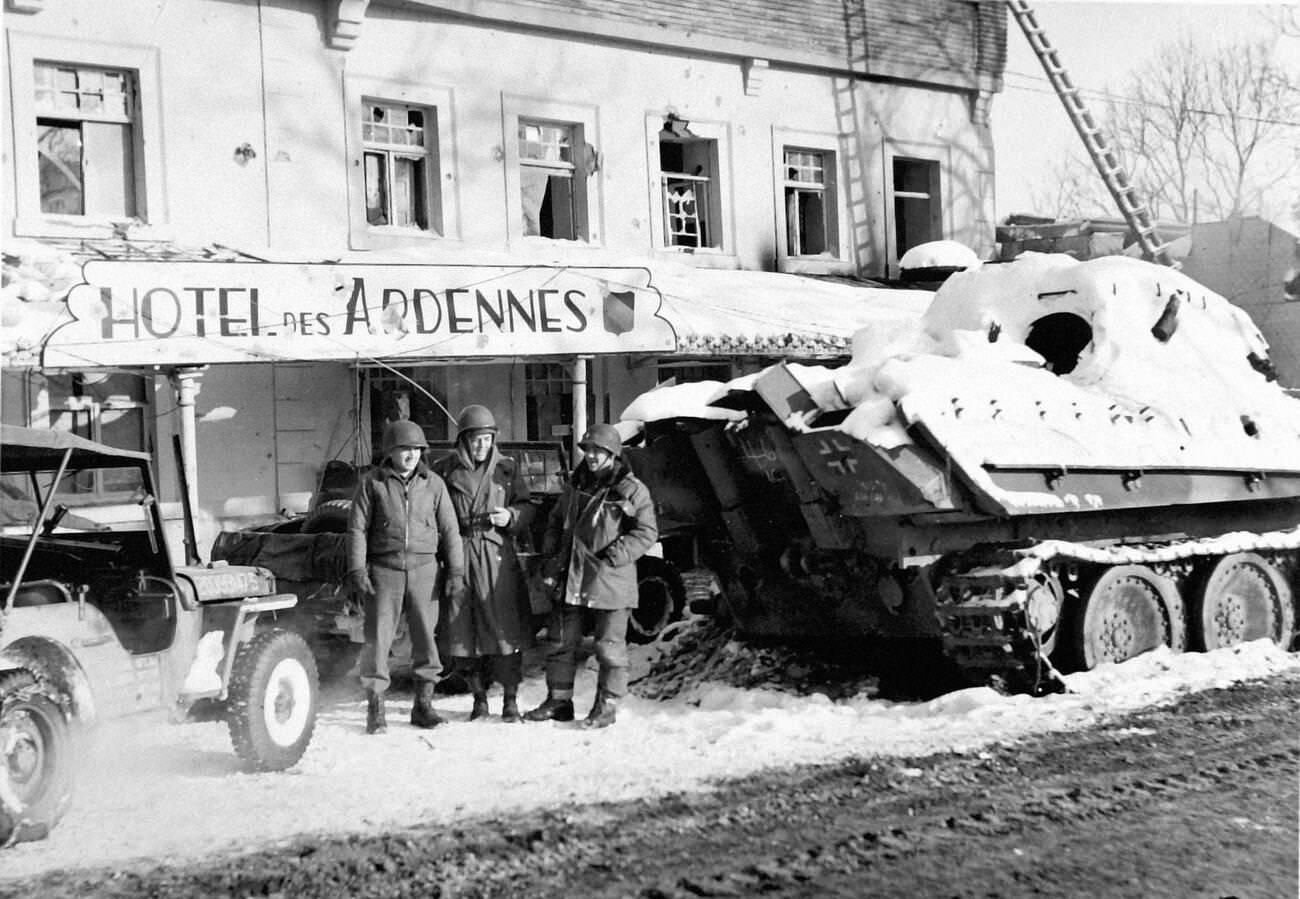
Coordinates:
[1059,338]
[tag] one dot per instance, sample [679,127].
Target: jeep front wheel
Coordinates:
[36,758]
[272,706]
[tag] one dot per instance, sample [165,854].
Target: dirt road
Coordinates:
[1195,800]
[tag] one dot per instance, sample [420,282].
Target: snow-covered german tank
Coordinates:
[1062,464]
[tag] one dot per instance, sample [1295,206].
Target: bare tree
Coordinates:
[1073,190]
[1203,133]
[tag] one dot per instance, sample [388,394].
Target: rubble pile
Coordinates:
[706,651]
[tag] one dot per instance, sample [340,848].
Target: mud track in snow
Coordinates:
[1195,799]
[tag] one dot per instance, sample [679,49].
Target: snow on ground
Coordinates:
[174,792]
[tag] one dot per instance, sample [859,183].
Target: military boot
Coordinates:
[602,711]
[474,680]
[375,721]
[510,709]
[422,713]
[551,710]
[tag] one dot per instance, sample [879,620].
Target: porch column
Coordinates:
[580,390]
[186,382]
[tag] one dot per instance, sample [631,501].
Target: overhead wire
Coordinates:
[1097,94]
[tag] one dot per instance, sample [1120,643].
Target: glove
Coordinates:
[359,580]
[454,589]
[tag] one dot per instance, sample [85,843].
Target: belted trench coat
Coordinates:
[492,615]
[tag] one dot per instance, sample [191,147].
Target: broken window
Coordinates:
[688,168]
[918,214]
[552,179]
[400,168]
[810,202]
[85,140]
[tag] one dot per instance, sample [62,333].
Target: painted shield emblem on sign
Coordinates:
[620,310]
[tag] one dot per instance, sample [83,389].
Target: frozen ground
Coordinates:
[174,793]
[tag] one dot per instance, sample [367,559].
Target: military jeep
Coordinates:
[97,623]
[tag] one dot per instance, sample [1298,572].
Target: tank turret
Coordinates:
[1060,464]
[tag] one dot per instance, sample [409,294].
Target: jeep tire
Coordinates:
[36,758]
[273,695]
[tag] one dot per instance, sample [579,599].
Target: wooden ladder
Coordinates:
[1126,196]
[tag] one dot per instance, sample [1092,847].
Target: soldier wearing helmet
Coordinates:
[486,628]
[603,522]
[402,522]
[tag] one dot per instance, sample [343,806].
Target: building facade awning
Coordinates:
[125,304]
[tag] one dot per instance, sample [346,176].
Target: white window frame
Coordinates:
[586,122]
[839,262]
[25,50]
[575,171]
[722,183]
[45,412]
[547,377]
[442,186]
[424,159]
[940,157]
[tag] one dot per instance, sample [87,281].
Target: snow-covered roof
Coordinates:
[718,313]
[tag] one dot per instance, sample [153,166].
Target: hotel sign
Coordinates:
[196,313]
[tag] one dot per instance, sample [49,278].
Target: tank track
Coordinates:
[984,613]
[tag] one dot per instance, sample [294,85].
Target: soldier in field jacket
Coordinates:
[603,522]
[401,523]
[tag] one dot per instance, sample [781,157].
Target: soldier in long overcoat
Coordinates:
[485,630]
[603,522]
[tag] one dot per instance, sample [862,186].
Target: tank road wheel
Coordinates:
[1130,610]
[1044,600]
[36,759]
[272,707]
[661,596]
[1243,598]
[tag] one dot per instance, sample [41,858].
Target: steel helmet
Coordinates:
[403,432]
[603,436]
[476,418]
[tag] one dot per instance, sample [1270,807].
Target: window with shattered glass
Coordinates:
[86,140]
[552,179]
[687,173]
[400,168]
[809,202]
